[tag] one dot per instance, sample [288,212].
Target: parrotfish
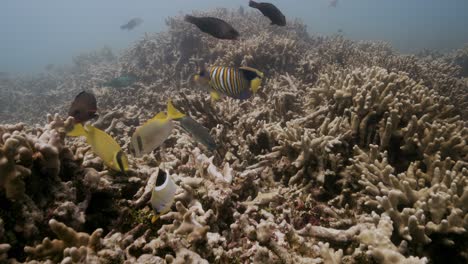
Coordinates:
[121,81]
[162,196]
[103,145]
[154,132]
[83,108]
[216,27]
[197,131]
[238,83]
[271,11]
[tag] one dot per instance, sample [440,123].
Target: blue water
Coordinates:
[35,33]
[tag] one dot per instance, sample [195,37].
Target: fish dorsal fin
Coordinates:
[160,117]
[172,112]
[251,73]
[77,131]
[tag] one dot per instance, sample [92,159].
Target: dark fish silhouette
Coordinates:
[84,107]
[333,3]
[132,24]
[271,11]
[121,81]
[198,132]
[214,26]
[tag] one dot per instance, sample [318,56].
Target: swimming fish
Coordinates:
[154,132]
[103,145]
[121,81]
[333,3]
[162,196]
[238,83]
[84,107]
[216,27]
[132,24]
[197,131]
[271,11]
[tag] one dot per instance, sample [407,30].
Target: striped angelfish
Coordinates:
[238,83]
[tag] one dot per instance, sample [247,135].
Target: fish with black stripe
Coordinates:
[238,83]
[103,145]
[154,132]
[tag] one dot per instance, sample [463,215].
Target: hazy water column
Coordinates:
[36,33]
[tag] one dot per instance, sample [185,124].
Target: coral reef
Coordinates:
[350,153]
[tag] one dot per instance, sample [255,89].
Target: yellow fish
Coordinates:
[154,132]
[238,83]
[103,145]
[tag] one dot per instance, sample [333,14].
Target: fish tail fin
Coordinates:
[253,4]
[172,112]
[78,130]
[190,19]
[254,76]
[161,116]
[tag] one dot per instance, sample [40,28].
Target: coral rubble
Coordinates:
[350,153]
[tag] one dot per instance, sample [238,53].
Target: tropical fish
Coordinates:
[84,107]
[197,131]
[162,196]
[103,145]
[121,81]
[238,83]
[132,24]
[154,132]
[214,26]
[271,11]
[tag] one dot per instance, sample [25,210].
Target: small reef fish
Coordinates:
[154,132]
[238,83]
[162,196]
[131,24]
[103,145]
[271,11]
[216,27]
[121,81]
[84,107]
[197,131]
[333,3]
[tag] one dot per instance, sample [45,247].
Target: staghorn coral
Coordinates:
[350,153]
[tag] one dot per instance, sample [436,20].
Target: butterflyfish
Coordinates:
[238,83]
[162,196]
[83,108]
[103,145]
[154,132]
[216,27]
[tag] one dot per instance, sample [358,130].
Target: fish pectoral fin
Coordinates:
[78,130]
[255,84]
[215,96]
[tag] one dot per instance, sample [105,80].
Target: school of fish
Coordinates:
[220,81]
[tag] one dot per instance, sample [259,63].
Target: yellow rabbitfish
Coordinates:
[238,83]
[154,132]
[103,145]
